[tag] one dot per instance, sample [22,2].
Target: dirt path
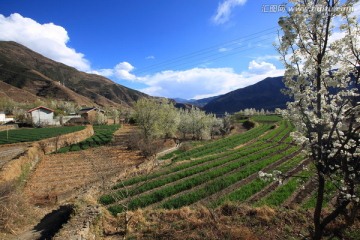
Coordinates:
[9,152]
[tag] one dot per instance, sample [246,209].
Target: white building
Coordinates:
[42,116]
[4,119]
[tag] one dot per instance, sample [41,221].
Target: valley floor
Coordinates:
[211,191]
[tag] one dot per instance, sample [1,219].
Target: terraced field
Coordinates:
[102,135]
[64,175]
[35,134]
[220,171]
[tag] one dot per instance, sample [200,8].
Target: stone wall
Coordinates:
[14,168]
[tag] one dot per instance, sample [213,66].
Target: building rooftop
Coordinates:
[40,107]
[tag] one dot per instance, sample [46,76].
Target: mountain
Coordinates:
[196,102]
[181,100]
[203,101]
[26,70]
[265,94]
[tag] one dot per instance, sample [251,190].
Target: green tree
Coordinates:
[146,113]
[169,119]
[184,124]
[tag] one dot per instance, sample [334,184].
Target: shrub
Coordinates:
[133,141]
[248,124]
[185,147]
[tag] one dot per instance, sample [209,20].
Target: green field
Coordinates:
[102,135]
[35,134]
[219,171]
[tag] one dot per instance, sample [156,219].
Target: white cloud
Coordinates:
[261,67]
[224,49]
[196,82]
[47,39]
[122,71]
[150,57]
[275,57]
[224,9]
[103,72]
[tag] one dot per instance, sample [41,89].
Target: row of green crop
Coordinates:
[35,134]
[223,144]
[266,118]
[191,144]
[166,179]
[175,168]
[287,132]
[330,190]
[282,126]
[248,190]
[102,135]
[258,145]
[284,191]
[246,166]
[224,182]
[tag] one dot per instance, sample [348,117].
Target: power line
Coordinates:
[209,50]
[216,56]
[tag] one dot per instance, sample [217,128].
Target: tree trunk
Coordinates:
[318,231]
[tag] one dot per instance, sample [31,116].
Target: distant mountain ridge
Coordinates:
[265,94]
[29,71]
[196,102]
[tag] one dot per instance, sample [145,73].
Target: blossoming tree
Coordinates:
[320,48]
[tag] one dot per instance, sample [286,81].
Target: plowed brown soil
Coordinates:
[62,176]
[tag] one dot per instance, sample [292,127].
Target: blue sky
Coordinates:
[170,48]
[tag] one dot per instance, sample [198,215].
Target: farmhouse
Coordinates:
[42,116]
[92,115]
[4,119]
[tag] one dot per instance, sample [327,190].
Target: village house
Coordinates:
[93,115]
[4,119]
[41,116]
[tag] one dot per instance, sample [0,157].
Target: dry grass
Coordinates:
[15,212]
[185,223]
[230,221]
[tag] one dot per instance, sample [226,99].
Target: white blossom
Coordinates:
[322,77]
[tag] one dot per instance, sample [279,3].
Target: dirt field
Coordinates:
[59,177]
